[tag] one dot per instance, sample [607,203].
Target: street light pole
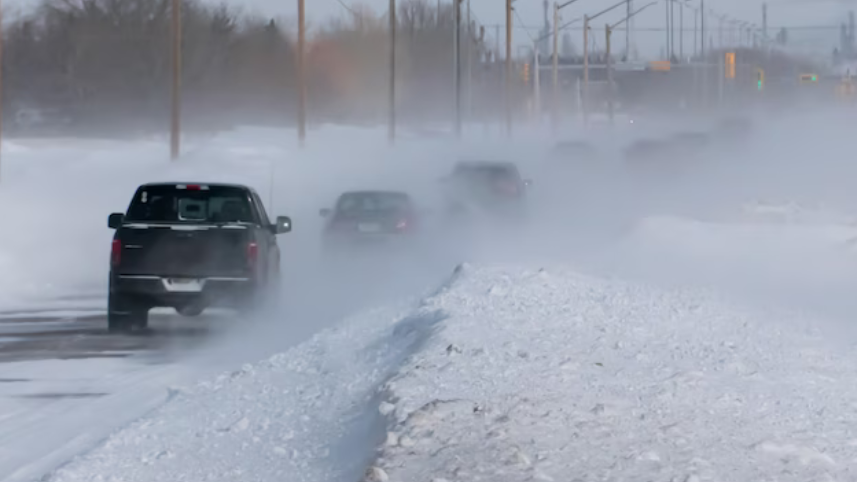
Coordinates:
[608,30]
[586,20]
[175,117]
[555,67]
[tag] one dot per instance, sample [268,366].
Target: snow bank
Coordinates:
[304,415]
[547,375]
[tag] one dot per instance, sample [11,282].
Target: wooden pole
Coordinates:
[457,13]
[175,117]
[585,96]
[302,91]
[607,34]
[508,83]
[1,75]
[392,119]
[555,72]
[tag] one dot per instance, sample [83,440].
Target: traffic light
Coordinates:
[760,79]
[808,78]
[730,65]
[526,73]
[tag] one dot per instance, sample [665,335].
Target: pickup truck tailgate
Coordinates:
[184,251]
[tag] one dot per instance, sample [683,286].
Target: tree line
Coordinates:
[107,63]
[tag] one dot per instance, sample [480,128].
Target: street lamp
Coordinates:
[555,68]
[608,32]
[586,20]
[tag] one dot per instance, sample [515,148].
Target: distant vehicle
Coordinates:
[190,246]
[494,187]
[648,150]
[573,151]
[734,129]
[370,218]
[691,142]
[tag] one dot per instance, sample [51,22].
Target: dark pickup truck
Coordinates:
[190,246]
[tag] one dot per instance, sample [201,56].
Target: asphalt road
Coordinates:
[30,337]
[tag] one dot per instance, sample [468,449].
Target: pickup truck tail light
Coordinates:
[116,253]
[252,255]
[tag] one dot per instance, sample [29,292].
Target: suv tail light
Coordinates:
[116,252]
[252,254]
[507,187]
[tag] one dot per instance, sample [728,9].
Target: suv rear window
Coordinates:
[373,202]
[489,173]
[191,204]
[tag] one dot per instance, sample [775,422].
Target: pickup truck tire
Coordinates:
[125,313]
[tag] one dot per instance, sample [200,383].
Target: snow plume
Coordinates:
[546,375]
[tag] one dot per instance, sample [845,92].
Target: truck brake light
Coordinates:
[116,252]
[252,254]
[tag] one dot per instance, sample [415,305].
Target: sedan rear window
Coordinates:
[192,204]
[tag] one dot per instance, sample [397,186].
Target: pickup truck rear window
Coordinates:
[179,203]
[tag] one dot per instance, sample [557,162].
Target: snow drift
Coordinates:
[549,375]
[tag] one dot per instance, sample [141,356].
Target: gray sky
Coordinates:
[489,12]
[780,13]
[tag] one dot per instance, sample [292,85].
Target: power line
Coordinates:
[347,7]
[523,25]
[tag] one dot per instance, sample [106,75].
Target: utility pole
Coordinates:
[1,75]
[392,119]
[555,71]
[508,83]
[607,34]
[301,72]
[702,29]
[469,44]
[765,26]
[175,117]
[667,29]
[695,33]
[537,88]
[457,42]
[585,102]
[628,7]
[672,28]
[681,31]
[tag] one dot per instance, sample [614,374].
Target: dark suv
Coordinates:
[492,187]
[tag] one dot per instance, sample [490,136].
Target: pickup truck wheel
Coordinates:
[125,313]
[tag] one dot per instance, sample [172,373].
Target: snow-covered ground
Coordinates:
[548,375]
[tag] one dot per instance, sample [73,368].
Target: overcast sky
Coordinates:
[489,12]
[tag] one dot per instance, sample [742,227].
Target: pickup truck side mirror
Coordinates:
[324,212]
[283,225]
[115,220]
